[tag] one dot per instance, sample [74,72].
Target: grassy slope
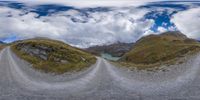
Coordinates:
[60,50]
[156,49]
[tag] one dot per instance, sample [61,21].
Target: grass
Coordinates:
[60,50]
[154,50]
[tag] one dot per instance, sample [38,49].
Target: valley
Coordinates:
[23,77]
[99,50]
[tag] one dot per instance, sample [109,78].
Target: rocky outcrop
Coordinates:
[39,51]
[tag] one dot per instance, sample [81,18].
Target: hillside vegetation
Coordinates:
[53,56]
[158,49]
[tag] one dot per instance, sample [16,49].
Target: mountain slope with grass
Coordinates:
[52,56]
[153,50]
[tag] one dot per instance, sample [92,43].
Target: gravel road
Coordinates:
[102,81]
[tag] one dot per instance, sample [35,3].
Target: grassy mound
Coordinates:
[157,49]
[52,56]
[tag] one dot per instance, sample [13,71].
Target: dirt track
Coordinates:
[103,81]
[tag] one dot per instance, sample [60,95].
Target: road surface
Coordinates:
[102,81]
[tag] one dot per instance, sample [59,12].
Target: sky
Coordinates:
[85,23]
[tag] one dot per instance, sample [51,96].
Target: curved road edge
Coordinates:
[154,88]
[23,79]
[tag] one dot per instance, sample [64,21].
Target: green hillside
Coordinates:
[53,56]
[157,49]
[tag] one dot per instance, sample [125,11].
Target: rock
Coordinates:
[43,52]
[83,59]
[56,59]
[43,57]
[35,51]
[43,47]
[64,61]
[24,50]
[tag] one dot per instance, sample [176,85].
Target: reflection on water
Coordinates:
[109,57]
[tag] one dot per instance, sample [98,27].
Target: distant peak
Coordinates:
[174,33]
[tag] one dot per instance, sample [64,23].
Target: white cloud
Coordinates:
[162,29]
[188,22]
[89,3]
[124,25]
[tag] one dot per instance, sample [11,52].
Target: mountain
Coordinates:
[156,49]
[116,49]
[52,56]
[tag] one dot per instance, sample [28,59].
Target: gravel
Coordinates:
[102,81]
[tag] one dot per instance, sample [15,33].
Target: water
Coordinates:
[109,57]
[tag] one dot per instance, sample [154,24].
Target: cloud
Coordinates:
[97,28]
[82,28]
[162,29]
[89,3]
[188,22]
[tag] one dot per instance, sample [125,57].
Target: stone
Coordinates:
[43,57]
[83,59]
[64,61]
[38,51]
[56,59]
[35,51]
[43,52]
[43,47]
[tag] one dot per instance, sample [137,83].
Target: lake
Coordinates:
[109,57]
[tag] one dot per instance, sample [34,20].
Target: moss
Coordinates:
[58,50]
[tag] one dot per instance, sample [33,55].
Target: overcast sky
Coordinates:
[84,23]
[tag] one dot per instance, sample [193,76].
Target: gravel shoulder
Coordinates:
[168,83]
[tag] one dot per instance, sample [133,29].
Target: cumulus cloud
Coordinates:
[124,25]
[188,22]
[88,28]
[162,29]
[89,3]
